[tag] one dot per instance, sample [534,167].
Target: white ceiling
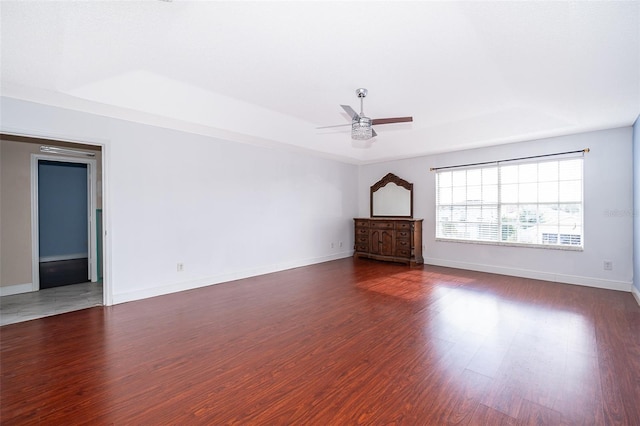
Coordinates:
[470,73]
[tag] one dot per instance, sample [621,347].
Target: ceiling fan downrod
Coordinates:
[361,93]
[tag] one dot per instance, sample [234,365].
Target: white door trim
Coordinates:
[91,214]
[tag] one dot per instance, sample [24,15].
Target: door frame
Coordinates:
[91,215]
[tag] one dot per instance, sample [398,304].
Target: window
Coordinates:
[527,203]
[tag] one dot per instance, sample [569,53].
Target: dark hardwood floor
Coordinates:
[339,343]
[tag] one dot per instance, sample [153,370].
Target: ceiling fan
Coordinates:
[361,125]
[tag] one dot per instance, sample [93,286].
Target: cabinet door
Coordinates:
[381,241]
[386,247]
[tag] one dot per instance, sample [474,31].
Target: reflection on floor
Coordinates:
[50,301]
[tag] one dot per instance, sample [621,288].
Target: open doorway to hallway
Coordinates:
[65,214]
[34,259]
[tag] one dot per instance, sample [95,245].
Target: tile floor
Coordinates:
[50,301]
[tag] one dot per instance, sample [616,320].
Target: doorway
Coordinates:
[63,209]
[23,294]
[63,224]
[64,231]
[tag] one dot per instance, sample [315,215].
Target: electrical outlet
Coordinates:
[332,244]
[608,265]
[180,267]
[340,243]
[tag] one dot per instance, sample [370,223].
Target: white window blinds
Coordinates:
[536,203]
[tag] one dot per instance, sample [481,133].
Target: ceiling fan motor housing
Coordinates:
[361,92]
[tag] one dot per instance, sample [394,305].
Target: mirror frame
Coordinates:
[391,178]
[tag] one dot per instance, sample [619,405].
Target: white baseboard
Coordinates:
[636,294]
[538,275]
[16,289]
[217,279]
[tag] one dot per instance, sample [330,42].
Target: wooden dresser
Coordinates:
[393,240]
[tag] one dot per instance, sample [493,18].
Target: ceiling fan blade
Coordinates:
[391,120]
[354,115]
[336,125]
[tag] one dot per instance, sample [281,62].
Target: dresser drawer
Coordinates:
[362,223]
[362,239]
[403,225]
[400,252]
[403,244]
[381,224]
[362,231]
[403,234]
[362,247]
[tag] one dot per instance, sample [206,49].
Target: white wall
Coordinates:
[228,210]
[223,209]
[608,201]
[636,209]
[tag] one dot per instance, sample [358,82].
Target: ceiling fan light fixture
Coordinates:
[361,125]
[361,129]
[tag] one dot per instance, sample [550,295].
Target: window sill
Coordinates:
[507,244]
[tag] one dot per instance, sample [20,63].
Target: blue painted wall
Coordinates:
[62,207]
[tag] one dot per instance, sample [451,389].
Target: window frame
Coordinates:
[493,232]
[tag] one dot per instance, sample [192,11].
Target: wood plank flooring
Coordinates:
[339,343]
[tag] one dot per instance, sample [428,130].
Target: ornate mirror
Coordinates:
[392,197]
